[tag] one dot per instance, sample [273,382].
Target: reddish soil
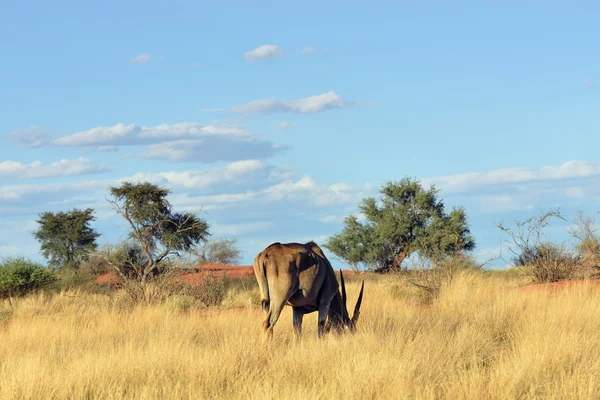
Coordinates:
[109,278]
[191,278]
[199,274]
[556,286]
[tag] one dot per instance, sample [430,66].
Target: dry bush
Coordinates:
[210,290]
[431,275]
[585,233]
[548,262]
[535,255]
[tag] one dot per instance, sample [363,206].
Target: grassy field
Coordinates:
[481,339]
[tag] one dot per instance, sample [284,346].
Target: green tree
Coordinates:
[66,237]
[19,276]
[407,219]
[155,227]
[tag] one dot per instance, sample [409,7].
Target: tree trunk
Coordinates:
[400,258]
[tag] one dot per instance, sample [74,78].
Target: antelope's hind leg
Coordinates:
[298,315]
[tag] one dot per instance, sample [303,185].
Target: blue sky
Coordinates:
[277,119]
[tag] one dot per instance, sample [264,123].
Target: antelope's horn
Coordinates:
[344,298]
[358,302]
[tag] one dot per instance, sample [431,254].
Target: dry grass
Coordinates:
[479,340]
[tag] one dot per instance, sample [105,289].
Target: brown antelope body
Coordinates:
[300,276]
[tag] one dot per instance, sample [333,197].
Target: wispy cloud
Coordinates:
[269,51]
[141,59]
[135,135]
[31,137]
[37,169]
[188,141]
[312,104]
[586,82]
[468,181]
[213,149]
[201,179]
[263,52]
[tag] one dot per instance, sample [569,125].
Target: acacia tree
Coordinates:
[156,229]
[407,219]
[66,237]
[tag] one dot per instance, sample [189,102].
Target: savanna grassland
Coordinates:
[483,338]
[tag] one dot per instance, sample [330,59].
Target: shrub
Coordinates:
[431,275]
[547,262]
[20,276]
[211,290]
[83,278]
[535,255]
[180,303]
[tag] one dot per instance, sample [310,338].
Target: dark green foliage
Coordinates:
[158,231]
[407,218]
[19,276]
[66,237]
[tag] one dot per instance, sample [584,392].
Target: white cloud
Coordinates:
[212,149]
[283,125]
[187,141]
[312,104]
[263,52]
[203,178]
[141,59]
[31,137]
[511,176]
[320,195]
[37,169]
[586,82]
[133,135]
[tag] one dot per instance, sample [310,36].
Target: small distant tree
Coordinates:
[156,230]
[219,251]
[407,219]
[20,276]
[66,237]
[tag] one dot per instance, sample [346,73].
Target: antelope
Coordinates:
[300,276]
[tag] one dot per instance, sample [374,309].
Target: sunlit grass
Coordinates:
[480,340]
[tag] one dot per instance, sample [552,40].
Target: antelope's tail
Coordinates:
[260,271]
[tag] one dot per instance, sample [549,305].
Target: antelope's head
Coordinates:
[339,317]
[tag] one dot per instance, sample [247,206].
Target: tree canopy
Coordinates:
[66,237]
[407,218]
[159,230]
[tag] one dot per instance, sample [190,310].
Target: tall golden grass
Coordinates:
[480,339]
